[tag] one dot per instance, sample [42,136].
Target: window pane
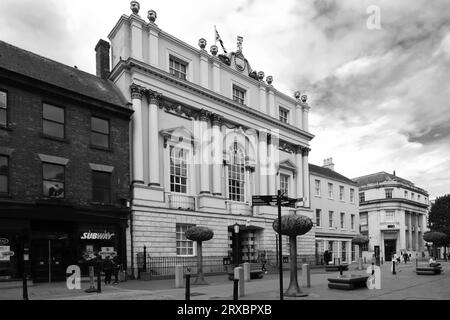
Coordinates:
[53,129]
[2,100]
[99,139]
[53,172]
[101,195]
[53,113]
[3,184]
[101,179]
[3,117]
[100,125]
[53,189]
[3,165]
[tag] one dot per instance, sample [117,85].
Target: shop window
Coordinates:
[178,68]
[53,121]
[3,109]
[178,170]
[53,180]
[4,174]
[185,247]
[99,132]
[101,187]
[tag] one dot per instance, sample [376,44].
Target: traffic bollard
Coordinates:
[341,270]
[188,288]
[25,287]
[99,282]
[236,289]
[393,267]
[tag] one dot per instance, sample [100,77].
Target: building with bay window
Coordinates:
[208,133]
[336,215]
[64,166]
[393,214]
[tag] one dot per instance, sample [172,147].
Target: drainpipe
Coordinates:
[131,243]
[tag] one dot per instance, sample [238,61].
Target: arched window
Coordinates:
[236,174]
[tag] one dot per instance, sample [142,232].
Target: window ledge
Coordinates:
[54,138]
[100,148]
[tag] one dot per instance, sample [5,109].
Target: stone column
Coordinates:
[410,248]
[216,75]
[137,145]
[416,232]
[262,99]
[153,138]
[204,72]
[263,163]
[205,153]
[299,174]
[306,192]
[273,160]
[218,154]
[272,110]
[305,109]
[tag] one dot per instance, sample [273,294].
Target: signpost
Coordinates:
[279,201]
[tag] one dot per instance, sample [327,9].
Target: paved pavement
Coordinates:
[405,285]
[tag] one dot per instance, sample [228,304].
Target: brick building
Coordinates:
[64,165]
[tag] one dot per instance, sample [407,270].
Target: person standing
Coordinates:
[108,266]
[405,257]
[326,257]
[116,269]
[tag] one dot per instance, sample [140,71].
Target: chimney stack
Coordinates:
[328,163]
[102,59]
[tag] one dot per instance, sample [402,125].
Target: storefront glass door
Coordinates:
[48,260]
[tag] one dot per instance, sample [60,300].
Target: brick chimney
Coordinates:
[102,59]
[328,163]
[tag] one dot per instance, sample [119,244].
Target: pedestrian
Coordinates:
[326,257]
[398,258]
[108,267]
[405,257]
[116,269]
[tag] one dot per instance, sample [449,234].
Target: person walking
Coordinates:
[405,257]
[116,269]
[108,267]
[326,257]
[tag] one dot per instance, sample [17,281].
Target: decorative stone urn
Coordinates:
[261,75]
[202,43]
[297,94]
[214,50]
[199,234]
[269,80]
[293,225]
[151,15]
[304,98]
[135,7]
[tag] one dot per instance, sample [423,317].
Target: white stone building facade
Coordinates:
[394,214]
[336,214]
[208,133]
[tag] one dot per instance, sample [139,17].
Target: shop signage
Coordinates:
[5,253]
[107,252]
[3,241]
[97,235]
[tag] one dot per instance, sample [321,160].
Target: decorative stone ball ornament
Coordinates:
[269,80]
[261,75]
[304,98]
[151,15]
[297,94]
[214,50]
[135,7]
[202,43]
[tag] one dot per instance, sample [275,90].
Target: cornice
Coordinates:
[398,200]
[132,63]
[394,185]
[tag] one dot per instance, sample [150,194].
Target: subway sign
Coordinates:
[97,235]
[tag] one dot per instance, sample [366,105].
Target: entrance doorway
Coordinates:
[49,259]
[390,247]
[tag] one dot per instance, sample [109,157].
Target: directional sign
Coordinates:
[264,200]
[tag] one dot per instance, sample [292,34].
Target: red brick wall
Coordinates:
[25,137]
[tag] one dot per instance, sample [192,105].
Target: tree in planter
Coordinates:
[360,240]
[293,225]
[439,218]
[199,234]
[436,238]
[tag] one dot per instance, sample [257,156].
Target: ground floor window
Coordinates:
[185,247]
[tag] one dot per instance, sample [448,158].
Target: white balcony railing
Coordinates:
[181,202]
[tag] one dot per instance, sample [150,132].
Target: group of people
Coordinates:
[405,255]
[109,266]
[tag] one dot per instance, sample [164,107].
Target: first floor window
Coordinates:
[341,193]
[178,68]
[185,247]
[238,95]
[236,174]
[53,180]
[284,184]
[342,220]
[330,219]
[3,110]
[318,217]
[390,215]
[178,170]
[53,120]
[4,174]
[362,197]
[101,187]
[330,191]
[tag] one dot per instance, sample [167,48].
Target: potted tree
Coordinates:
[199,234]
[293,225]
[360,240]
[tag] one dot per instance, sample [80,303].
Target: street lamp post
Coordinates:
[236,246]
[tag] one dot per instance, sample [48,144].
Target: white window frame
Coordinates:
[389,216]
[330,191]
[188,61]
[317,187]
[389,191]
[352,222]
[244,181]
[341,193]
[331,215]
[352,195]
[187,146]
[187,156]
[283,119]
[319,211]
[288,177]
[240,90]
[194,253]
[342,220]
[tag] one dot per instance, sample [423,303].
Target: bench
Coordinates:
[333,267]
[256,271]
[428,270]
[348,282]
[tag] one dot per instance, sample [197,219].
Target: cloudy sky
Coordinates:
[380,98]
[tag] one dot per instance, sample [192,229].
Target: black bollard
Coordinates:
[341,270]
[188,287]
[99,282]
[393,267]
[236,289]
[25,287]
